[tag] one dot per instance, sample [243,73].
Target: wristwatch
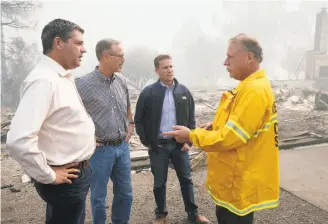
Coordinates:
[131,122]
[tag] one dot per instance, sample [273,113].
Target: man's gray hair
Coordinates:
[103,45]
[250,44]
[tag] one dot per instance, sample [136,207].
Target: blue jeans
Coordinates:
[159,162]
[66,202]
[114,162]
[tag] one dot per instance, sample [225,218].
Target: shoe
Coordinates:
[201,220]
[159,220]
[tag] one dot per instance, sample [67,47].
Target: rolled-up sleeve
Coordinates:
[22,138]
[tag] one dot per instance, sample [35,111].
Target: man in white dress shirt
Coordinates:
[51,134]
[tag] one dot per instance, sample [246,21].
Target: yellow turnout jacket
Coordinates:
[243,153]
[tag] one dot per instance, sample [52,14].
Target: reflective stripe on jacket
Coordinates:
[243,153]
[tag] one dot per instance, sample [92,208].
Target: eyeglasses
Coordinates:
[115,55]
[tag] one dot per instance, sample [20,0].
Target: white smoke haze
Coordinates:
[194,32]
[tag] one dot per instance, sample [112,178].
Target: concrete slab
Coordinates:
[138,155]
[140,159]
[143,155]
[304,172]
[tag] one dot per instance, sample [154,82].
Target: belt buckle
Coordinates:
[114,142]
[118,141]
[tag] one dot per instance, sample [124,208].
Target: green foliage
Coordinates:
[17,57]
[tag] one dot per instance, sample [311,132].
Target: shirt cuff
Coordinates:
[50,178]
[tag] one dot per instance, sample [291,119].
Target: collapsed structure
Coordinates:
[316,60]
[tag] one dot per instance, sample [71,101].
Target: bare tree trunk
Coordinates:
[4,68]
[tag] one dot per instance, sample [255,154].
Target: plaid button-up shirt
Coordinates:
[107,101]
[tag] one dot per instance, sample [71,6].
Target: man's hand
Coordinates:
[181,133]
[208,126]
[185,147]
[65,172]
[129,132]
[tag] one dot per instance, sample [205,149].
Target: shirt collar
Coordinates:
[53,65]
[102,76]
[162,84]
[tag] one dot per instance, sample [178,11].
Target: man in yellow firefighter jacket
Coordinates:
[242,140]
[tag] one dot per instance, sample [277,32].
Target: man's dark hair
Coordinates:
[57,28]
[160,58]
[103,45]
[250,44]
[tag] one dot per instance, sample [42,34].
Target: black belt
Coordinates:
[81,165]
[114,142]
[165,141]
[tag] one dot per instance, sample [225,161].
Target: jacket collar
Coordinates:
[256,75]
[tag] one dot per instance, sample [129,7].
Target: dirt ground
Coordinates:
[26,206]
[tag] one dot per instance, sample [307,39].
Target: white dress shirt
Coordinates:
[51,125]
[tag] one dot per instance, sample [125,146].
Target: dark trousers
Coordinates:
[66,202]
[159,162]
[224,216]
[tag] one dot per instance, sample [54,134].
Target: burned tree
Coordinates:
[139,66]
[14,15]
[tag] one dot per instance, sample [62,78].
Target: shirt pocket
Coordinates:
[182,100]
[183,107]
[227,101]
[223,113]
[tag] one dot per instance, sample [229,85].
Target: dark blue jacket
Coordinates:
[148,112]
